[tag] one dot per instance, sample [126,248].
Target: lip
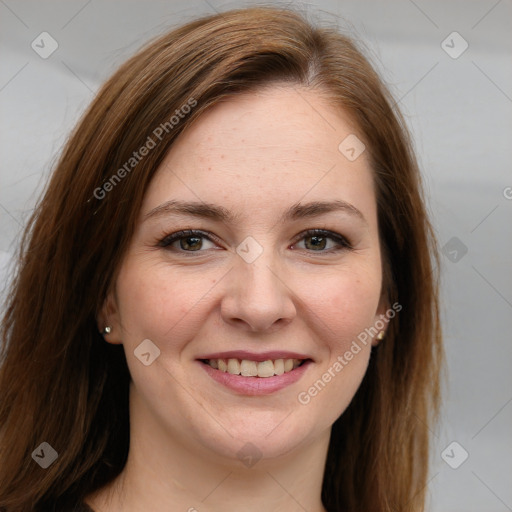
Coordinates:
[258,357]
[256,385]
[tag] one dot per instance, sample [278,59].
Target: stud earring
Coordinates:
[107,330]
[381,335]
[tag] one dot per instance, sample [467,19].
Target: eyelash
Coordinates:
[343,243]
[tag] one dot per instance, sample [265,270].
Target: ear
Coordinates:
[109,316]
[381,318]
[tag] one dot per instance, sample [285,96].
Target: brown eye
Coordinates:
[322,241]
[315,242]
[192,243]
[186,241]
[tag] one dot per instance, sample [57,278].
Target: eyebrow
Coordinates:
[221,214]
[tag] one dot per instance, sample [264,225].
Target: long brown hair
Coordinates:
[60,382]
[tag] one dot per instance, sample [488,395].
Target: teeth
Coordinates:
[279,367]
[233,366]
[249,368]
[266,369]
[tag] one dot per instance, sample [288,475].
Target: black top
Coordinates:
[83,507]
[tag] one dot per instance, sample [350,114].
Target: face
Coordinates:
[278,275]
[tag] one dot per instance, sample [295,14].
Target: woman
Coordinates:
[226,299]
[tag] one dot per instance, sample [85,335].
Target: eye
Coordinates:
[315,240]
[321,240]
[188,240]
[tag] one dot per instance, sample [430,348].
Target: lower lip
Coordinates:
[256,385]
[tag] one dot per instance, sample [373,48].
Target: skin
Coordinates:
[256,155]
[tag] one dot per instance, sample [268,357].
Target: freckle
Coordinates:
[222,156]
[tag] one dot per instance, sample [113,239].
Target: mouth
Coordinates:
[250,368]
[255,374]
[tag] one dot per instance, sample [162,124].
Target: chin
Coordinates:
[268,437]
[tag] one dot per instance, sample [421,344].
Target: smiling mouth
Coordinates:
[248,368]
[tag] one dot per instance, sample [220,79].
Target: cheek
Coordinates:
[141,298]
[344,305]
[158,303]
[344,309]
[345,302]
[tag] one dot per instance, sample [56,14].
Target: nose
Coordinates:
[257,297]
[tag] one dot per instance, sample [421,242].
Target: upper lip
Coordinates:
[253,356]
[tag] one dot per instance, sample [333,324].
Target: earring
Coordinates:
[381,335]
[107,330]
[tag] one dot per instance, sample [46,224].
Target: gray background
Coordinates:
[459,110]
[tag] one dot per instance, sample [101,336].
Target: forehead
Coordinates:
[283,119]
[280,142]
